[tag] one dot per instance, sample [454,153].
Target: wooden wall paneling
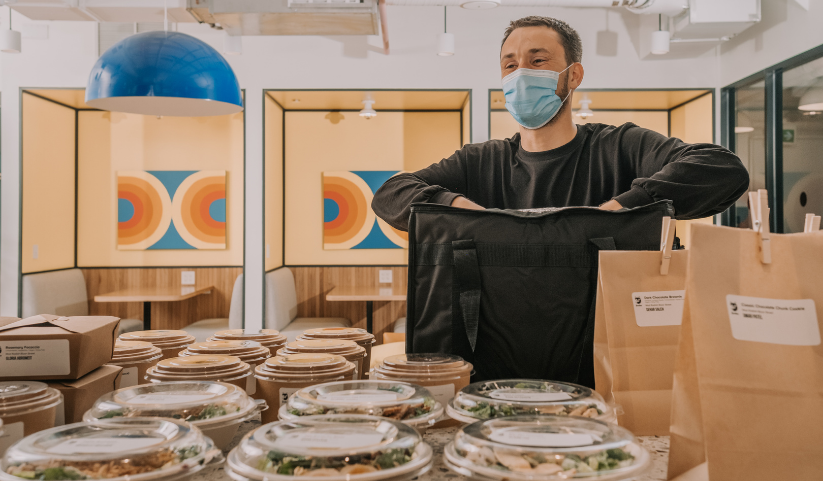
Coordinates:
[165,315]
[313,283]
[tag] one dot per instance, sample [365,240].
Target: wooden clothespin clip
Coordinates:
[815,224]
[759,213]
[666,241]
[812,223]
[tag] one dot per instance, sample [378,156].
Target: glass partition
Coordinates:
[750,140]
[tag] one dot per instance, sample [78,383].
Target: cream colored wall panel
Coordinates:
[429,137]
[273,158]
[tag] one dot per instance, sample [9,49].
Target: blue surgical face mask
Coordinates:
[530,96]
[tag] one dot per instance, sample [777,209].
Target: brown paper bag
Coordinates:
[637,325]
[748,383]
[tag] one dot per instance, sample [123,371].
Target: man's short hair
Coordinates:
[569,38]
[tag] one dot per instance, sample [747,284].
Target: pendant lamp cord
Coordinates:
[445,24]
[166,15]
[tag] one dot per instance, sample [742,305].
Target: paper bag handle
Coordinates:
[666,241]
[759,213]
[812,223]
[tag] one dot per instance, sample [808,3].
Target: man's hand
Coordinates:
[465,203]
[611,205]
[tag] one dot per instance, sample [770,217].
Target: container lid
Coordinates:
[162,338]
[125,351]
[432,364]
[206,367]
[342,347]
[156,448]
[243,349]
[306,365]
[266,337]
[21,397]
[545,447]
[336,447]
[357,335]
[409,403]
[203,403]
[512,397]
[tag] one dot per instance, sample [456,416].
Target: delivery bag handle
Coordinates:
[759,214]
[666,242]
[812,223]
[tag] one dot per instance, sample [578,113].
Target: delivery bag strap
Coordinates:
[585,367]
[466,289]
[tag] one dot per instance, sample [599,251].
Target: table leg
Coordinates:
[370,316]
[147,316]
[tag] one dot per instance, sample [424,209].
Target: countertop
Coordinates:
[658,446]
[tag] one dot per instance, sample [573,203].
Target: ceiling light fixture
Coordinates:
[812,100]
[368,112]
[743,130]
[10,40]
[445,40]
[585,112]
[660,39]
[480,4]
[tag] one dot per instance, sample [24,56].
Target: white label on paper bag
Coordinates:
[328,440]
[102,445]
[544,440]
[11,434]
[775,321]
[530,396]
[251,382]
[659,308]
[358,398]
[159,398]
[34,358]
[285,392]
[129,377]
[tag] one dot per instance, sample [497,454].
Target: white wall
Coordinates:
[65,59]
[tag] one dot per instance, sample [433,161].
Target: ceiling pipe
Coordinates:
[656,7]
[384,25]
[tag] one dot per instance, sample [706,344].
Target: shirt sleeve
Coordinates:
[700,179]
[437,184]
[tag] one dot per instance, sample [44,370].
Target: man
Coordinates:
[552,162]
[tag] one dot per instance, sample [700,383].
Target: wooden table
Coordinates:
[368,294]
[147,295]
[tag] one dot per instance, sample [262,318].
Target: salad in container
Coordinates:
[216,408]
[115,449]
[408,403]
[536,448]
[515,397]
[337,447]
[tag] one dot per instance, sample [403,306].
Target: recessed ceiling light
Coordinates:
[297,101]
[480,4]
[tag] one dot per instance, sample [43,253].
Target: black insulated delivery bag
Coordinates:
[513,292]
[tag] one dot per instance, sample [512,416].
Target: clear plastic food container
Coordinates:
[269,338]
[400,401]
[27,407]
[216,408]
[341,347]
[362,337]
[135,357]
[513,397]
[169,341]
[250,352]
[534,448]
[335,447]
[122,449]
[228,369]
[281,376]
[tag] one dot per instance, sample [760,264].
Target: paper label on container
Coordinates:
[328,440]
[251,382]
[358,398]
[34,358]
[11,434]
[658,308]
[543,440]
[129,377]
[505,395]
[163,398]
[102,445]
[285,392]
[775,321]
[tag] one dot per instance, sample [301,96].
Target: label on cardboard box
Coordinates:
[37,357]
[11,434]
[658,308]
[129,377]
[775,321]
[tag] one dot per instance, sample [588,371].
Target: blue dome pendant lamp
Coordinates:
[164,74]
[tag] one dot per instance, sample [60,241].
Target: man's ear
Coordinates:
[576,75]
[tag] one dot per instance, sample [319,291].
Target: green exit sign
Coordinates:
[788,135]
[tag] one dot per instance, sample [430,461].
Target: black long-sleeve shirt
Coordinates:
[630,164]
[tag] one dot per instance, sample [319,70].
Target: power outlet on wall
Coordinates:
[187,278]
[384,276]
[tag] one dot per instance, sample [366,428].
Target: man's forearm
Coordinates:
[392,202]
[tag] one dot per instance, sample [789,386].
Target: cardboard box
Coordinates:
[50,347]
[79,395]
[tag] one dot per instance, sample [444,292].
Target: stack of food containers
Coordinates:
[512,397]
[250,352]
[228,369]
[135,357]
[214,407]
[269,338]
[281,376]
[26,407]
[362,337]
[170,342]
[337,448]
[348,349]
